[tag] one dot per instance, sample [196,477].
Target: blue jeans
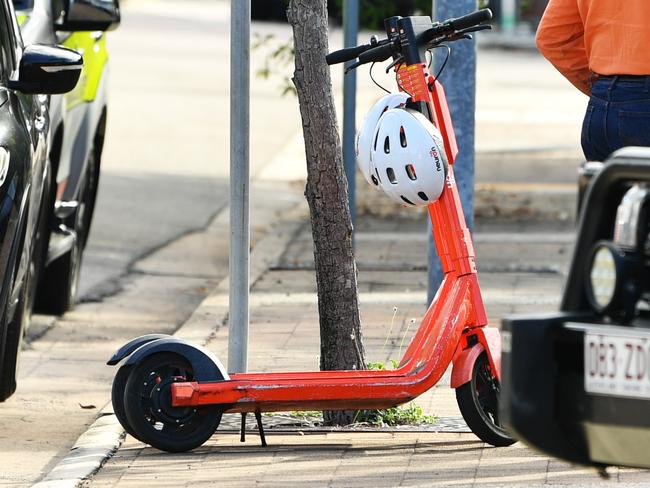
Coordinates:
[618,115]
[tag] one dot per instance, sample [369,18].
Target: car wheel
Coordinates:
[14,328]
[88,192]
[15,331]
[58,287]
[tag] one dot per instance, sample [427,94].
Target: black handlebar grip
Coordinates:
[376,54]
[347,54]
[471,20]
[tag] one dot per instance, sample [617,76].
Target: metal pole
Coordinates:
[240,20]
[459,79]
[350,28]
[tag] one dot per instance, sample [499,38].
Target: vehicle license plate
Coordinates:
[617,365]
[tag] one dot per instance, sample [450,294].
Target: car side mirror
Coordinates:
[88,15]
[47,70]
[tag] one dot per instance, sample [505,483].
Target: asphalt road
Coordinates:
[166,162]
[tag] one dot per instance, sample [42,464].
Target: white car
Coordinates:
[78,124]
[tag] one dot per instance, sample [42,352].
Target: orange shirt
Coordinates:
[608,37]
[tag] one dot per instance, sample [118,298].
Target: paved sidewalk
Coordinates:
[284,336]
[382,459]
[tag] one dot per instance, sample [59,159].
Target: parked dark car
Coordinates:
[576,383]
[78,125]
[28,75]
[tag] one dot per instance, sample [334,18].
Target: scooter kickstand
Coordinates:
[260,427]
[242,437]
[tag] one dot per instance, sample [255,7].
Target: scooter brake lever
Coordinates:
[394,63]
[352,67]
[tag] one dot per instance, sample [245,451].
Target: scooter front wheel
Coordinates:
[149,411]
[478,401]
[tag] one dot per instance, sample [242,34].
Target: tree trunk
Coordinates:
[327,195]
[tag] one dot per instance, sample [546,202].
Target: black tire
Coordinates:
[16,327]
[14,330]
[89,189]
[147,402]
[57,292]
[479,403]
[117,398]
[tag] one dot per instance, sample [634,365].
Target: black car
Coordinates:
[28,75]
[576,383]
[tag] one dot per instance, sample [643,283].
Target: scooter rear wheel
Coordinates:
[478,400]
[149,411]
[117,398]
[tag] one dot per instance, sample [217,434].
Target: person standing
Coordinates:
[603,48]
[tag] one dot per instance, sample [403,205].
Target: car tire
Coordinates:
[57,291]
[16,327]
[15,331]
[58,287]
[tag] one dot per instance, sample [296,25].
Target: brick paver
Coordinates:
[347,459]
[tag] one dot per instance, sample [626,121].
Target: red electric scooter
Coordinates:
[171,394]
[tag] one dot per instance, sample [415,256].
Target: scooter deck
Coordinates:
[438,341]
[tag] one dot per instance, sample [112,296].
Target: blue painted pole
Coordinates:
[459,80]
[350,28]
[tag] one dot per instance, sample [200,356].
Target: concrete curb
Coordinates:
[105,436]
[88,454]
[508,201]
[526,201]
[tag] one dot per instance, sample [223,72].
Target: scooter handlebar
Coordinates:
[379,51]
[376,54]
[471,20]
[347,54]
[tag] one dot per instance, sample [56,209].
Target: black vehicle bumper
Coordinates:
[543,397]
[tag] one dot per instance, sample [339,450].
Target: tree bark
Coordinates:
[327,195]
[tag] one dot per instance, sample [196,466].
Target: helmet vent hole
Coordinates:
[410,171]
[402,137]
[406,200]
[423,196]
[387,145]
[378,177]
[391,175]
[374,180]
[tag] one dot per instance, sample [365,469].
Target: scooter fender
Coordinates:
[488,339]
[128,348]
[464,364]
[205,365]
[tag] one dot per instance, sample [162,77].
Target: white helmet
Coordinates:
[365,135]
[408,157]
